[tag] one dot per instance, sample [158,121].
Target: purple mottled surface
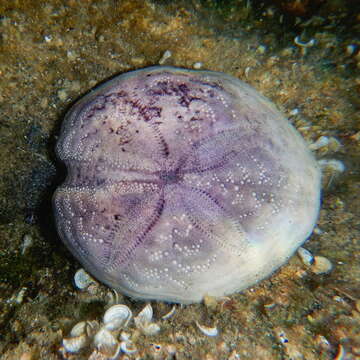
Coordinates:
[182,183]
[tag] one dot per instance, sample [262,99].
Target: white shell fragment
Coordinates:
[319,143]
[330,169]
[75,344]
[145,315]
[114,297]
[170,313]
[78,329]
[91,327]
[19,297]
[208,331]
[84,327]
[332,165]
[82,279]
[326,144]
[117,317]
[305,256]
[106,342]
[166,55]
[128,347]
[80,336]
[143,321]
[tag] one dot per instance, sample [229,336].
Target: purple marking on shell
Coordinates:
[182,183]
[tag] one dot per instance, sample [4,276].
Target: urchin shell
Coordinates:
[181,184]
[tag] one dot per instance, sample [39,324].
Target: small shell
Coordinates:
[331,169]
[167,54]
[75,344]
[170,313]
[150,329]
[116,317]
[105,342]
[332,165]
[78,329]
[208,331]
[114,297]
[91,327]
[144,316]
[84,327]
[319,143]
[305,256]
[143,321]
[128,347]
[19,298]
[321,265]
[82,279]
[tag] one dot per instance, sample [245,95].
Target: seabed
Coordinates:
[303,55]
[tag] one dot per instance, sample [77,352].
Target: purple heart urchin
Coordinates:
[181,184]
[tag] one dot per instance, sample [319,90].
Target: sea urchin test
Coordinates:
[182,183]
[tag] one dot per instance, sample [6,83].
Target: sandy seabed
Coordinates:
[306,59]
